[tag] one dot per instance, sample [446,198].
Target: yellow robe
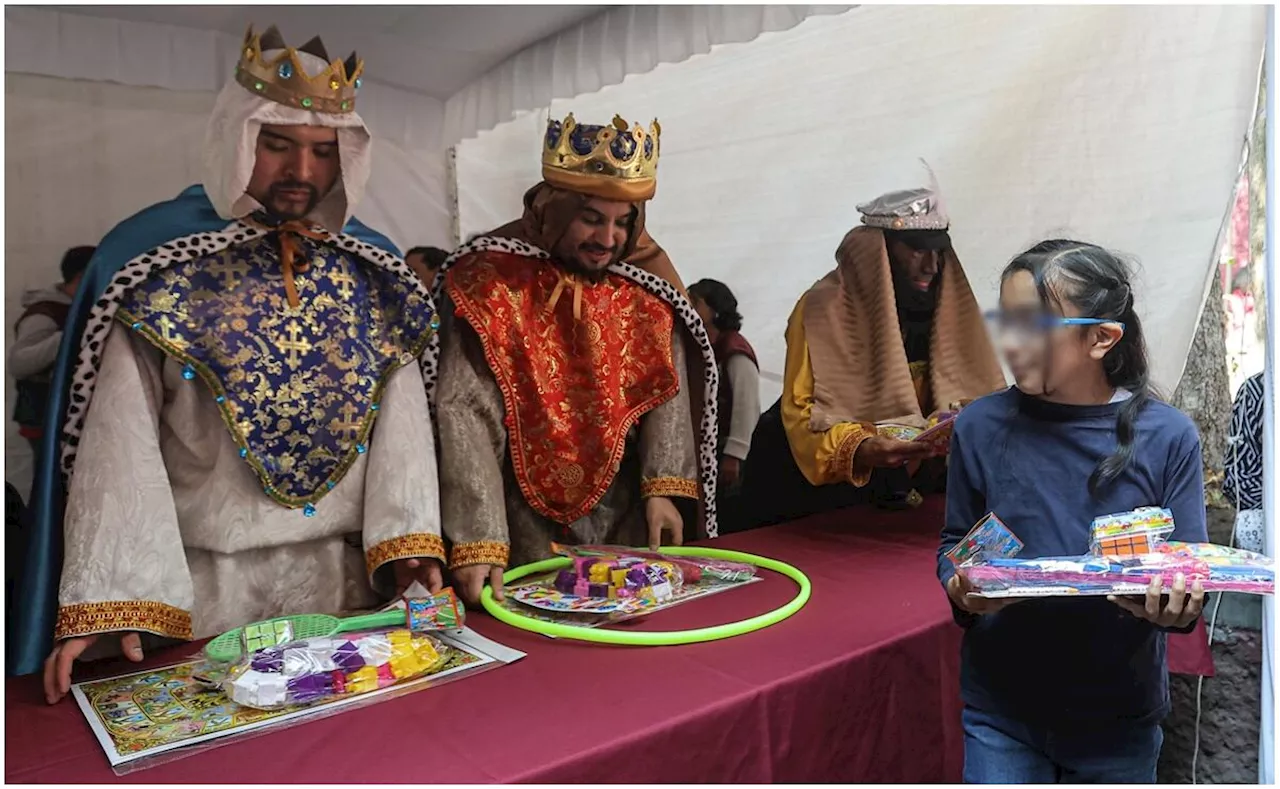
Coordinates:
[826,458]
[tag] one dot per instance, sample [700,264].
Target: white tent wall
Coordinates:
[605,50]
[1118,125]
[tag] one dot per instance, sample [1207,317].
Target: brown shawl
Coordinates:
[860,370]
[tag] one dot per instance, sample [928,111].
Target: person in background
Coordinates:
[1242,477]
[890,337]
[426,262]
[1068,690]
[35,344]
[739,394]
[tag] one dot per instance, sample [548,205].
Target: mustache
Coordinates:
[290,186]
[597,248]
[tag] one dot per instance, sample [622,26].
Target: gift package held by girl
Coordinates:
[1068,689]
[1128,551]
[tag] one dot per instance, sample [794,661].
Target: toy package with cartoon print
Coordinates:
[608,584]
[153,716]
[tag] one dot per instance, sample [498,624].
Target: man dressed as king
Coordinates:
[577,387]
[247,433]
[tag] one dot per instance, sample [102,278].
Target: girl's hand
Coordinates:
[958,589]
[1181,610]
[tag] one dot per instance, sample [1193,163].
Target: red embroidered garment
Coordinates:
[572,387]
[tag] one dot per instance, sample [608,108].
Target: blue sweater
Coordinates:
[1063,661]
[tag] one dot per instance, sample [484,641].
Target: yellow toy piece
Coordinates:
[362,680]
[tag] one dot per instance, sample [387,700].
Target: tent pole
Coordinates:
[1271,490]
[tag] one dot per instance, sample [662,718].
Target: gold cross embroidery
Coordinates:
[294,345]
[341,427]
[229,270]
[168,334]
[343,281]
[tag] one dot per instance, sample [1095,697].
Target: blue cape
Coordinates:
[30,636]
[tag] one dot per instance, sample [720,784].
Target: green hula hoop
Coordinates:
[654,639]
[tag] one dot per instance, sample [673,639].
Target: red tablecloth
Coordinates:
[859,686]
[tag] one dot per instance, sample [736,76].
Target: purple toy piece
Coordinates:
[565,581]
[310,687]
[268,661]
[347,657]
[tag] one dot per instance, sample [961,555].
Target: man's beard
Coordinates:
[576,267]
[274,199]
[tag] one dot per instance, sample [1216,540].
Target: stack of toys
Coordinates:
[1127,551]
[620,578]
[692,570]
[317,669]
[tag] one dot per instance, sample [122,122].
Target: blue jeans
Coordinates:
[1000,750]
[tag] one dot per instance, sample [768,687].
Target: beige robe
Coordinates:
[164,518]
[483,511]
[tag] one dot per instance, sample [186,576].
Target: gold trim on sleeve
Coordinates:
[466,554]
[668,487]
[86,619]
[845,456]
[406,546]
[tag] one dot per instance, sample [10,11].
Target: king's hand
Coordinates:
[662,515]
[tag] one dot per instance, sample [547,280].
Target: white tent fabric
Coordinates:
[100,49]
[1119,125]
[196,51]
[605,50]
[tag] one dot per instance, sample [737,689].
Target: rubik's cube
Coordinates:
[1133,533]
[1125,545]
[260,635]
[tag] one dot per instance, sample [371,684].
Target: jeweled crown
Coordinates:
[617,161]
[285,81]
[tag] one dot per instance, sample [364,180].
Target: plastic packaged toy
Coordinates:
[610,581]
[1131,533]
[1216,567]
[622,577]
[442,611]
[990,539]
[936,434]
[692,570]
[1127,551]
[305,672]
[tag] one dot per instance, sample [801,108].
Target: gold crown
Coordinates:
[285,81]
[615,162]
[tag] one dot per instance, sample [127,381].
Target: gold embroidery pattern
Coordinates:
[465,554]
[84,619]
[298,387]
[406,546]
[845,456]
[669,486]
[572,387]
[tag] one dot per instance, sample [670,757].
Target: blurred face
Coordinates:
[1045,356]
[596,236]
[918,267]
[294,168]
